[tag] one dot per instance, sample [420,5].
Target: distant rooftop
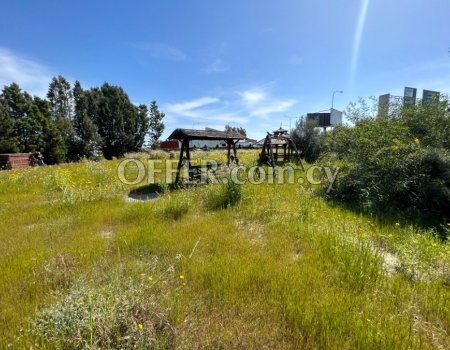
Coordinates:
[280,130]
[207,134]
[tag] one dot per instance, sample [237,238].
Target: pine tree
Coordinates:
[50,140]
[8,142]
[87,141]
[19,106]
[142,125]
[116,119]
[238,129]
[156,124]
[60,96]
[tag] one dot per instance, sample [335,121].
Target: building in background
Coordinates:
[246,143]
[430,96]
[389,104]
[409,96]
[170,145]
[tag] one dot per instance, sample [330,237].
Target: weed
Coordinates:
[122,313]
[223,196]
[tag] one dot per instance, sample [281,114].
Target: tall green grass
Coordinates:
[273,266]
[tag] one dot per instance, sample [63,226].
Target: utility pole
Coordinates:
[332,105]
[332,98]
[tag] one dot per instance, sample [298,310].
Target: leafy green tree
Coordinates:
[51,141]
[430,123]
[156,124]
[60,96]
[308,139]
[142,125]
[116,119]
[8,142]
[19,106]
[87,141]
[361,110]
[77,123]
[61,100]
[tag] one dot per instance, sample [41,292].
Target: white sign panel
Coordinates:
[335,117]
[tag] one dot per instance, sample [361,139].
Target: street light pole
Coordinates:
[290,121]
[332,98]
[332,104]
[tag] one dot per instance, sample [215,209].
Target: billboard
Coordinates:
[383,104]
[321,119]
[409,96]
[335,117]
[430,96]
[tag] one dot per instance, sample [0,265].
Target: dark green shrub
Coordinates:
[308,139]
[393,161]
[224,195]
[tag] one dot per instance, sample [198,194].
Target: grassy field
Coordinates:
[280,268]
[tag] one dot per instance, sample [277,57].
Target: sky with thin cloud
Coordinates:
[254,63]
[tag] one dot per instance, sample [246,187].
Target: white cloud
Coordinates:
[190,108]
[218,66]
[161,51]
[252,97]
[215,115]
[199,111]
[31,76]
[249,108]
[274,106]
[258,101]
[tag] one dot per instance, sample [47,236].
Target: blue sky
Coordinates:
[250,63]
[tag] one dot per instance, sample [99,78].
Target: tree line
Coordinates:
[74,123]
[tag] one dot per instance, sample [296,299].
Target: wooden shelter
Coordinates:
[278,147]
[187,135]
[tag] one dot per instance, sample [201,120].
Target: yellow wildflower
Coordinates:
[150,278]
[140,326]
[181,277]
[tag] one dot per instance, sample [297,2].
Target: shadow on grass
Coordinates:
[149,189]
[156,188]
[390,215]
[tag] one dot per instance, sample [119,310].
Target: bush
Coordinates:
[433,180]
[308,139]
[420,179]
[124,313]
[224,196]
[175,207]
[393,161]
